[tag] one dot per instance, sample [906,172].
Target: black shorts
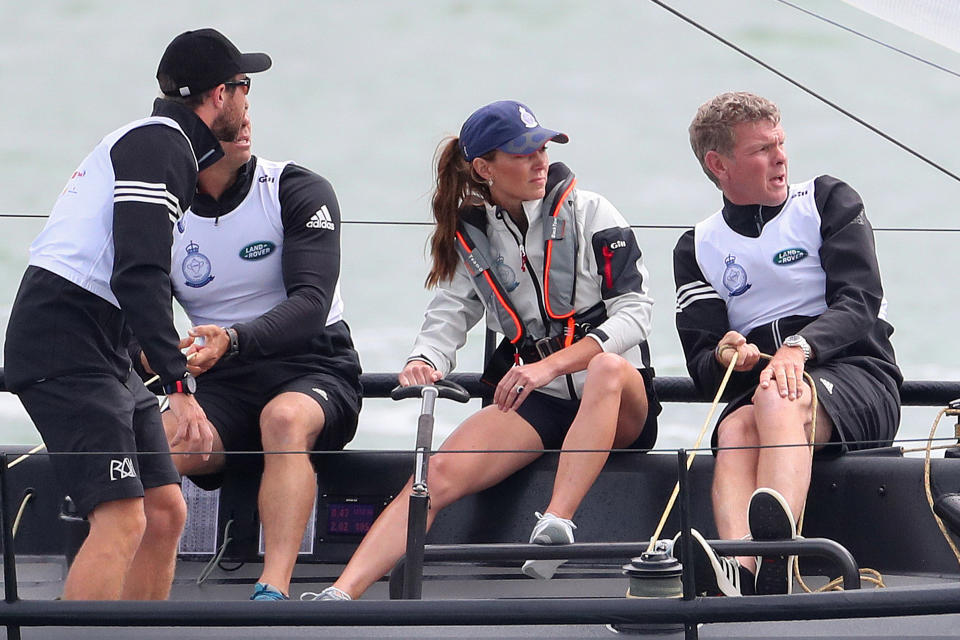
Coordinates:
[233,397]
[865,411]
[115,425]
[551,417]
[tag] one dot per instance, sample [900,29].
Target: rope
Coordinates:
[870,38]
[215,560]
[809,91]
[657,227]
[23,506]
[926,479]
[693,453]
[20,459]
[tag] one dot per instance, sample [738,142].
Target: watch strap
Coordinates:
[233,348]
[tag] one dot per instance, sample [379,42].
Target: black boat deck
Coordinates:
[873,505]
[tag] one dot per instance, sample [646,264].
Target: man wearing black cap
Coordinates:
[99,273]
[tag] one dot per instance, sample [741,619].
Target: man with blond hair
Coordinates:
[788,270]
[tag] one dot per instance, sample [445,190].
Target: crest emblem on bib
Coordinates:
[735,277]
[506,274]
[196,267]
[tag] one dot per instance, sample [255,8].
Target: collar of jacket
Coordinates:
[748,219]
[206,206]
[205,145]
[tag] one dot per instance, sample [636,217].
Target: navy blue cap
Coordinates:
[508,126]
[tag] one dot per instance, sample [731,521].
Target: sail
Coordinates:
[936,20]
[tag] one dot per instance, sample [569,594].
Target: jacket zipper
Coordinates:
[518,238]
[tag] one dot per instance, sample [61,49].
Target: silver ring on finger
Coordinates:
[519,389]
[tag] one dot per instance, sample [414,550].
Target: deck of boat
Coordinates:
[872,504]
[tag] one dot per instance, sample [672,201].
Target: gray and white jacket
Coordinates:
[609,269]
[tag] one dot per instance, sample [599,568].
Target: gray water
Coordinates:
[362,92]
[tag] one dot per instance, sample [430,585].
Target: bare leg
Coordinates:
[735,476]
[98,571]
[613,410]
[289,422]
[452,475]
[151,572]
[784,422]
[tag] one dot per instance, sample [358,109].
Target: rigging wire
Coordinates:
[657,227]
[870,38]
[806,89]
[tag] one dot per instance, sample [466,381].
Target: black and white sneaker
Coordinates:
[770,518]
[714,575]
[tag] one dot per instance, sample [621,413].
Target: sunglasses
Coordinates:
[245,84]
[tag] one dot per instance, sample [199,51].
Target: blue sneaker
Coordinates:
[263,591]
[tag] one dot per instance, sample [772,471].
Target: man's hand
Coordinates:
[418,372]
[787,367]
[213,343]
[733,342]
[193,427]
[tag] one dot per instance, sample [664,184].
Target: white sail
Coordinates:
[936,20]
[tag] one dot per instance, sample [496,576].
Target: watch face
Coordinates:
[189,383]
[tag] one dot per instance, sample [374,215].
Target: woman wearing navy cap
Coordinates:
[557,271]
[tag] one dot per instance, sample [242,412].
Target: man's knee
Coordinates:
[769,402]
[284,425]
[166,512]
[119,524]
[737,430]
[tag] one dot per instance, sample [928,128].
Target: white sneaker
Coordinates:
[549,530]
[714,575]
[330,593]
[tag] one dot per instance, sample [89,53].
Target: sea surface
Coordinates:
[363,92]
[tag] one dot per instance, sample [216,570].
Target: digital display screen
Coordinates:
[350,518]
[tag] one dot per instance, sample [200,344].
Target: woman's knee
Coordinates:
[607,370]
[447,484]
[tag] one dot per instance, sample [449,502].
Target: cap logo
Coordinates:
[527,118]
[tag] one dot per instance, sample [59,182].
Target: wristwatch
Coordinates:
[234,347]
[796,340]
[187,384]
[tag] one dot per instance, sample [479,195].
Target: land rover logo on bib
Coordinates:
[789,256]
[735,277]
[196,267]
[257,250]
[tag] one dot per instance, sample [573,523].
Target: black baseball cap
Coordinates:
[196,61]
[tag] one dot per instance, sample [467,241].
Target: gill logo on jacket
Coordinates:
[789,256]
